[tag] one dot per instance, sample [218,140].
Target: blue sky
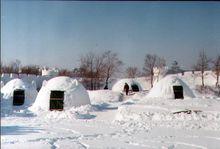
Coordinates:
[56,33]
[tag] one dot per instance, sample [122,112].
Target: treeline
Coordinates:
[15,67]
[96,69]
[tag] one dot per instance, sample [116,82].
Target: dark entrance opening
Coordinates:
[56,100]
[18,97]
[182,73]
[178,92]
[135,88]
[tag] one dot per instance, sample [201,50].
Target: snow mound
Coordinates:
[119,85]
[105,96]
[81,112]
[150,115]
[74,93]
[7,95]
[124,113]
[164,88]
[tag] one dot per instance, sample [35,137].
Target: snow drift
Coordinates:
[164,88]
[119,85]
[105,96]
[74,93]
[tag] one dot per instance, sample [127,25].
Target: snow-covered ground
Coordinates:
[135,122]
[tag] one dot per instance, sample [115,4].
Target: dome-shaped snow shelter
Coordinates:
[17,93]
[61,93]
[133,85]
[171,87]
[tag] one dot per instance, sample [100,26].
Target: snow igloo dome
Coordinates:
[133,85]
[61,93]
[17,94]
[165,88]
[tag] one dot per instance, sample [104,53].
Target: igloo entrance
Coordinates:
[178,92]
[56,100]
[135,88]
[18,97]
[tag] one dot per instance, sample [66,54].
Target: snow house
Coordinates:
[171,87]
[56,100]
[60,93]
[133,85]
[18,93]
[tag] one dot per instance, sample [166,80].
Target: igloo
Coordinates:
[60,93]
[17,94]
[133,85]
[171,87]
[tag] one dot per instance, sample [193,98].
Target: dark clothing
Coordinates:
[126,88]
[106,87]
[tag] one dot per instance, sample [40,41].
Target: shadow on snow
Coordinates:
[18,130]
[103,107]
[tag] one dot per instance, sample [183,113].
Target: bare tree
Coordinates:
[99,69]
[152,61]
[87,65]
[132,72]
[216,67]
[161,62]
[30,69]
[112,65]
[79,72]
[12,67]
[65,72]
[3,67]
[92,66]
[202,65]
[6,69]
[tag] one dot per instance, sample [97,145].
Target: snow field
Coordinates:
[135,122]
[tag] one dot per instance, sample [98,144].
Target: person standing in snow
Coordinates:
[126,88]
